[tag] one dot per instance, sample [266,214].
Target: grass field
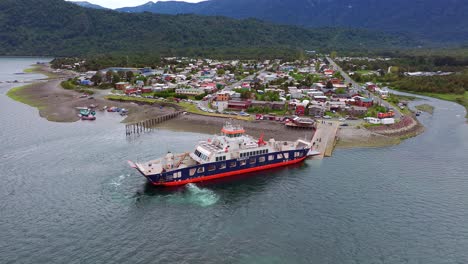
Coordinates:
[15,94]
[425,108]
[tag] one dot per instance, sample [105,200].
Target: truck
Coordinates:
[388,114]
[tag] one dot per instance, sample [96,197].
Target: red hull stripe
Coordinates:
[231,173]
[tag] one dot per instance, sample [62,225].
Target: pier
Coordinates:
[324,139]
[148,125]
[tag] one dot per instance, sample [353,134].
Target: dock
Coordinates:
[149,124]
[324,139]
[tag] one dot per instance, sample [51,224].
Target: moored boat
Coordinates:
[231,153]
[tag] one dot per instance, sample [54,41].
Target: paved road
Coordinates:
[358,88]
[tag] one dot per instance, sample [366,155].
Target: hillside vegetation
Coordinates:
[59,28]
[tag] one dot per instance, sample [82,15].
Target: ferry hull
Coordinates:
[224,169]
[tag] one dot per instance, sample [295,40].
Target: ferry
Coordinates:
[231,153]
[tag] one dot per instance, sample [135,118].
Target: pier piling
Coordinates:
[148,125]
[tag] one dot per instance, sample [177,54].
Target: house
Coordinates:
[357,110]
[320,98]
[328,72]
[189,91]
[336,105]
[223,96]
[362,101]
[300,109]
[313,93]
[239,104]
[146,89]
[316,110]
[130,89]
[220,105]
[121,85]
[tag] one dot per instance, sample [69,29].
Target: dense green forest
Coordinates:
[392,72]
[410,63]
[455,83]
[59,28]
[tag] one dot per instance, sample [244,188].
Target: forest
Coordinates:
[59,28]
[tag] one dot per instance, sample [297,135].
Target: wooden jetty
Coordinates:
[149,124]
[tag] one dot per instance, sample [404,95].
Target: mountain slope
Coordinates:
[431,19]
[88,5]
[59,28]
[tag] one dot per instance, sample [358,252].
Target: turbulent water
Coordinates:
[68,196]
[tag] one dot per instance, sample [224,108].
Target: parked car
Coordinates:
[327,117]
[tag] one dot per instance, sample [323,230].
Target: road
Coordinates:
[358,88]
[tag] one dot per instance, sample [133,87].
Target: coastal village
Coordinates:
[305,94]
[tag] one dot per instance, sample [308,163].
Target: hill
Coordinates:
[435,20]
[60,28]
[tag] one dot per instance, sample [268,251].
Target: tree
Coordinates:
[115,78]
[340,91]
[221,72]
[121,74]
[333,54]
[329,85]
[97,78]
[129,75]
[109,76]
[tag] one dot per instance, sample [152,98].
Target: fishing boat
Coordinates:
[231,153]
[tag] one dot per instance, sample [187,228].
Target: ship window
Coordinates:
[192,171]
[271,157]
[201,170]
[261,159]
[286,155]
[222,166]
[243,162]
[252,161]
[279,156]
[232,164]
[211,167]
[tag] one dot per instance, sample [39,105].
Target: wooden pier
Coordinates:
[148,125]
[324,139]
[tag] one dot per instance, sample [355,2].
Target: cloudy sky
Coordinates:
[124,3]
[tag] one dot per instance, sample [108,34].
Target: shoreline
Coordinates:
[461,99]
[58,105]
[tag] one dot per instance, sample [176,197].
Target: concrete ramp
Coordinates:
[324,139]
